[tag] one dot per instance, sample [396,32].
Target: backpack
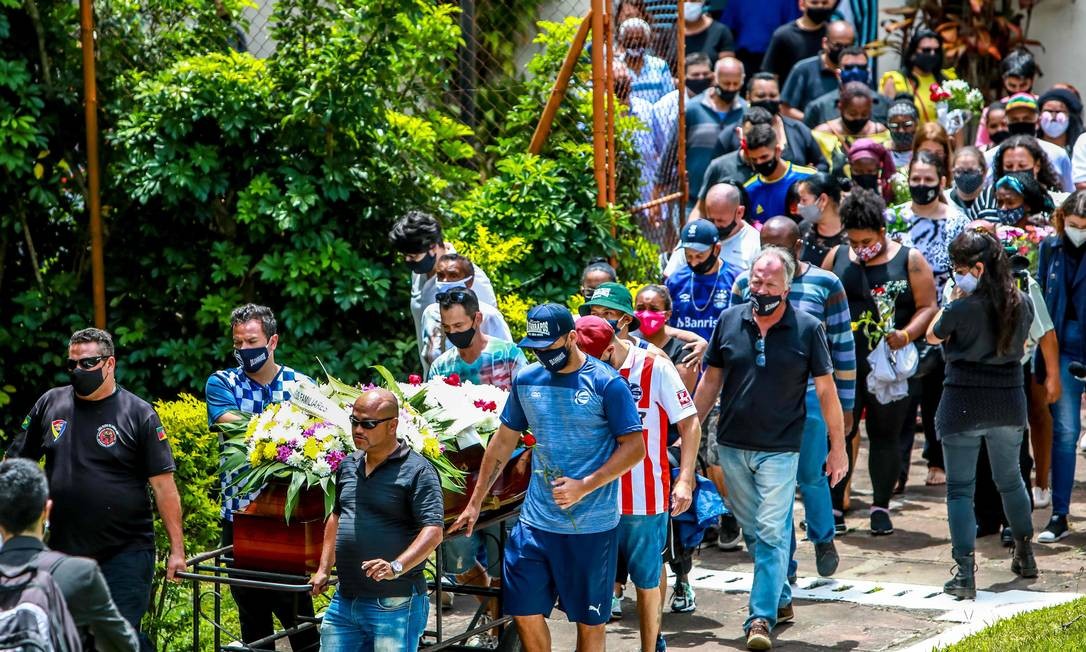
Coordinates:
[34,616]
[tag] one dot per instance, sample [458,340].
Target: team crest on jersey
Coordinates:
[107,435]
[582,397]
[684,398]
[58,427]
[635,389]
[160,432]
[720,299]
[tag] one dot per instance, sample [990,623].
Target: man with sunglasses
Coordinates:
[386,521]
[758,365]
[586,432]
[102,446]
[257,382]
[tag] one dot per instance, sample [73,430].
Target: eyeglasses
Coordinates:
[368,424]
[451,296]
[86,364]
[759,346]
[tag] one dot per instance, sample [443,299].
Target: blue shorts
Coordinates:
[641,544]
[460,553]
[577,569]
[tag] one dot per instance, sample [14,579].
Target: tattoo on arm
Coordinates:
[496,472]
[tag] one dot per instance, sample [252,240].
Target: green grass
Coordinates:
[1043,630]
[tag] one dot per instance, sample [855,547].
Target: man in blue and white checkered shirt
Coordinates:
[250,387]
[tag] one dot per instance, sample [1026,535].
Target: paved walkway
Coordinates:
[885,595]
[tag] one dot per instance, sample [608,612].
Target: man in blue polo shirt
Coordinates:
[773,175]
[586,432]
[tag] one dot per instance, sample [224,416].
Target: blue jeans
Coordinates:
[761,490]
[128,575]
[1066,424]
[374,624]
[814,486]
[960,454]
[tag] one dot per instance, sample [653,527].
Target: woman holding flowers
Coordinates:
[922,66]
[891,291]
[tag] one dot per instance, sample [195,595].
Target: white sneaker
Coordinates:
[1041,497]
[1082,442]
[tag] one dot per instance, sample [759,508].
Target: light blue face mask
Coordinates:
[445,286]
[967,283]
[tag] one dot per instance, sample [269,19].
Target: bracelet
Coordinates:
[906,334]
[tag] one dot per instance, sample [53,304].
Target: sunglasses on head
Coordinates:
[450,297]
[368,424]
[86,364]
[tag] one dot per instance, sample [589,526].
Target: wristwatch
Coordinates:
[397,568]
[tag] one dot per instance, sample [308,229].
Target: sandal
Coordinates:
[936,476]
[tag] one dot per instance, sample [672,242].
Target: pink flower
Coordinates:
[488,406]
[335,458]
[415,379]
[453,379]
[283,452]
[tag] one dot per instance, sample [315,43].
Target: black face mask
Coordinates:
[1022,129]
[923,195]
[765,168]
[461,340]
[999,136]
[925,61]
[819,14]
[86,383]
[705,266]
[424,265]
[698,86]
[854,125]
[765,304]
[867,181]
[834,54]
[773,106]
[902,140]
[726,231]
[252,360]
[553,360]
[968,181]
[725,95]
[1025,177]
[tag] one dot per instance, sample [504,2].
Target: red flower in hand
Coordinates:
[415,379]
[453,379]
[528,439]
[488,406]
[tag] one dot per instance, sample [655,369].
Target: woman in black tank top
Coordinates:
[873,264]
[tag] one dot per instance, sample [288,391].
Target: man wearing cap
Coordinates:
[586,432]
[613,303]
[1023,116]
[701,288]
[645,491]
[759,362]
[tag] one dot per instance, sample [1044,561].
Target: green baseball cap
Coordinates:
[613,296]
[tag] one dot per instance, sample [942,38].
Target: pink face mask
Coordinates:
[651,321]
[867,253]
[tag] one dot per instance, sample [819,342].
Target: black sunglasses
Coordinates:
[368,424]
[86,364]
[759,346]
[450,297]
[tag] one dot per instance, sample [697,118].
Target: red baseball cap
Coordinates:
[594,335]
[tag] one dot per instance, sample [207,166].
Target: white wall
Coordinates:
[1061,26]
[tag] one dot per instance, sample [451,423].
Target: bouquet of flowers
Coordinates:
[1025,241]
[956,103]
[466,411]
[878,323]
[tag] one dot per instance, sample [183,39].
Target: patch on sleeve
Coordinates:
[684,398]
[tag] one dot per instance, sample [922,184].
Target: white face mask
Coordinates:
[1076,235]
[809,212]
[692,11]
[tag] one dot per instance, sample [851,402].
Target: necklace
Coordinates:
[690,288]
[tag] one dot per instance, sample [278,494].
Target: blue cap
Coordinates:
[699,235]
[546,323]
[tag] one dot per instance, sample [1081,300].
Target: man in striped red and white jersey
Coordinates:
[646,494]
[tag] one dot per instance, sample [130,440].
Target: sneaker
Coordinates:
[758,635]
[1055,530]
[785,614]
[793,580]
[730,536]
[839,526]
[616,608]
[682,600]
[661,644]
[1042,498]
[826,558]
[1082,442]
[880,523]
[1006,538]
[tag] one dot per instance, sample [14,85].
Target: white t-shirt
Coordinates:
[738,251]
[1078,160]
[433,342]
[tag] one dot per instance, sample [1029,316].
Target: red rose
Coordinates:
[488,406]
[453,379]
[528,439]
[414,379]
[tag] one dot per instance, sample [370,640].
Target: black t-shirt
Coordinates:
[98,457]
[380,516]
[969,327]
[817,246]
[712,41]
[788,45]
[729,166]
[764,408]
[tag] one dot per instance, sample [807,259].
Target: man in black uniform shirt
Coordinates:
[102,446]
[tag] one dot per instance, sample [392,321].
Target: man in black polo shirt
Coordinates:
[102,446]
[387,519]
[758,363]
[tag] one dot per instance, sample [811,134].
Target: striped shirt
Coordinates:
[819,293]
[653,82]
[661,399]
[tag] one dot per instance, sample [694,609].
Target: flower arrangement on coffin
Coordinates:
[956,103]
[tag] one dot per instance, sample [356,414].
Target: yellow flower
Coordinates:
[254,457]
[431,447]
[311,448]
[269,451]
[855,326]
